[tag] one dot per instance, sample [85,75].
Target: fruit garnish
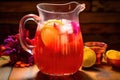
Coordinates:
[75,27]
[113,54]
[89,57]
[53,23]
[50,33]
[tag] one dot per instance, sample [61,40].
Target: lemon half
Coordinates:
[113,54]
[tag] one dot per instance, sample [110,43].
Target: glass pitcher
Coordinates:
[57,45]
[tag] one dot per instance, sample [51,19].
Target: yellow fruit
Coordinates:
[89,57]
[50,33]
[113,54]
[51,23]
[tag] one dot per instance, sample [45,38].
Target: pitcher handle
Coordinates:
[22,36]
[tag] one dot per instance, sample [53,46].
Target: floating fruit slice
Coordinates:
[89,57]
[113,54]
[49,36]
[50,33]
[53,23]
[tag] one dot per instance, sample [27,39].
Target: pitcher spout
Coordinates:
[79,8]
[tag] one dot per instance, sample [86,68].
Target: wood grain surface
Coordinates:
[101,72]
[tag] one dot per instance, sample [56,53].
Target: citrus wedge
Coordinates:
[89,57]
[113,54]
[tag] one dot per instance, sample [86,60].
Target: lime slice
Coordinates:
[113,54]
[89,57]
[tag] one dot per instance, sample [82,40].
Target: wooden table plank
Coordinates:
[4,72]
[4,69]
[104,72]
[23,73]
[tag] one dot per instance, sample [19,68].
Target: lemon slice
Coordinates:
[49,32]
[53,22]
[113,54]
[89,57]
[49,35]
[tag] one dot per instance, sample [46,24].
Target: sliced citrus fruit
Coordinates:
[50,33]
[53,23]
[89,57]
[113,54]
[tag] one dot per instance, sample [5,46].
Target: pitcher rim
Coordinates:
[58,4]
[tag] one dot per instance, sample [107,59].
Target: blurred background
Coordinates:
[100,21]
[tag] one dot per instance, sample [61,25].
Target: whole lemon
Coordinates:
[89,57]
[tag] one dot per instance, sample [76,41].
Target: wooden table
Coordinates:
[103,72]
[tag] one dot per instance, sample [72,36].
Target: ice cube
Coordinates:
[67,27]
